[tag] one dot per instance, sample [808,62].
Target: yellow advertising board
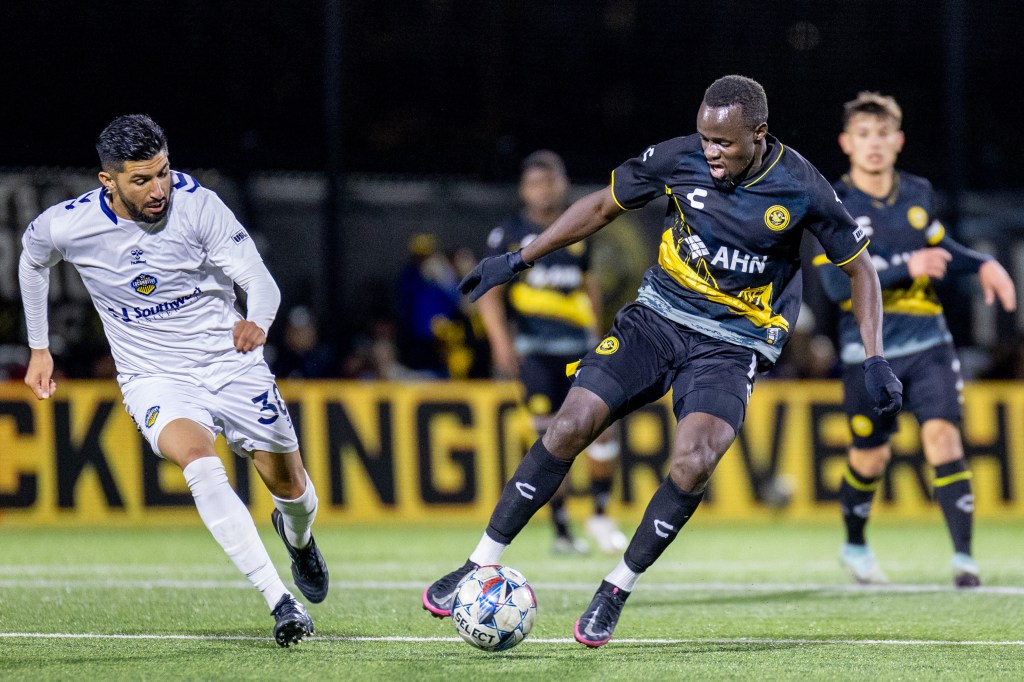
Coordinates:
[442,451]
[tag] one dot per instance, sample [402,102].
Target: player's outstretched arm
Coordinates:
[866,299]
[996,284]
[585,217]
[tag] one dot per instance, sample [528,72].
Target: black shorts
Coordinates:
[932,389]
[544,382]
[644,355]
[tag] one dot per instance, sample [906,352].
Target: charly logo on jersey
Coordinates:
[776,218]
[608,346]
[917,217]
[541,276]
[144,284]
[137,256]
[151,415]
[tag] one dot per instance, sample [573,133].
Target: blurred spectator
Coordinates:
[303,354]
[375,356]
[428,307]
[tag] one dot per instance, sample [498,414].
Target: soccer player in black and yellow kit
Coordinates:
[718,306]
[910,249]
[541,323]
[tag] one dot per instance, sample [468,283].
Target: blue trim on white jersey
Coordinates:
[105,206]
[183,179]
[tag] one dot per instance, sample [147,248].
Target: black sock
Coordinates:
[601,491]
[855,495]
[666,514]
[534,482]
[953,493]
[560,516]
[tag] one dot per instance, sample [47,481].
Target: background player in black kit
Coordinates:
[909,249]
[716,307]
[541,323]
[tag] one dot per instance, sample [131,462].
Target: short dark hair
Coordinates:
[746,92]
[133,137]
[545,159]
[874,103]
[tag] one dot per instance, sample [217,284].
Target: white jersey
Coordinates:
[164,292]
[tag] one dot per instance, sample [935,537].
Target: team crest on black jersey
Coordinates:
[917,217]
[608,346]
[776,218]
[144,284]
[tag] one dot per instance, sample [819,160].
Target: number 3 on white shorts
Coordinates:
[273,410]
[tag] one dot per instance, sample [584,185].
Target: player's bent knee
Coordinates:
[870,462]
[579,421]
[691,467]
[941,442]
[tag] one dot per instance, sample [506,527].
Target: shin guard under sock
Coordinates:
[533,484]
[953,493]
[666,514]
[855,495]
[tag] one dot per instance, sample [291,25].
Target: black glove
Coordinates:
[883,386]
[492,271]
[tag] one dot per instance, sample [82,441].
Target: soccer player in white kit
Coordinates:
[159,255]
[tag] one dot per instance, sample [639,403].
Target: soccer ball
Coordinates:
[494,608]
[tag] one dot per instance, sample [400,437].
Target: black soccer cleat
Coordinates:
[309,571]
[596,625]
[293,621]
[439,596]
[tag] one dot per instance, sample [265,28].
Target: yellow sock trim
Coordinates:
[953,478]
[857,485]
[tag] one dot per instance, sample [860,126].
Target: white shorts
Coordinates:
[249,410]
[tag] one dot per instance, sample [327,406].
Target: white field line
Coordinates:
[681,567]
[613,643]
[121,583]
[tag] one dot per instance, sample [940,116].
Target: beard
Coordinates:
[726,184]
[138,214]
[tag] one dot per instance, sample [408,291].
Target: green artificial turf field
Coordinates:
[761,601]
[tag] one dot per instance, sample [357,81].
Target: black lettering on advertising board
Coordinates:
[25,494]
[72,459]
[426,413]
[342,437]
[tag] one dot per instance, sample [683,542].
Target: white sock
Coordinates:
[622,577]
[488,552]
[231,525]
[298,515]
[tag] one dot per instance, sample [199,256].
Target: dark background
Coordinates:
[468,87]
[339,129]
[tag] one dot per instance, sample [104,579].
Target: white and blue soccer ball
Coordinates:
[495,608]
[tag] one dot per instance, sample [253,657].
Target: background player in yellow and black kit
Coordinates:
[717,306]
[909,249]
[541,323]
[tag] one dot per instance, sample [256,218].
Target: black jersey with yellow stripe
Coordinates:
[898,224]
[549,305]
[729,259]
